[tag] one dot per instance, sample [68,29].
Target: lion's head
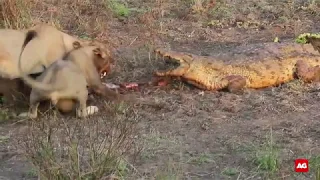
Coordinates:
[103,58]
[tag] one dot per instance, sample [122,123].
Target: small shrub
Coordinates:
[118,8]
[267,157]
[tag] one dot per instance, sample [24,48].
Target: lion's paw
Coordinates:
[23,114]
[92,110]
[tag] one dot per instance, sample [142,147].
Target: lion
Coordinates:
[51,45]
[67,78]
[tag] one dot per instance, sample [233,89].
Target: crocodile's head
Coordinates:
[175,56]
[182,60]
[196,70]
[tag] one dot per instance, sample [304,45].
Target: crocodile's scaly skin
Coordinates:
[208,73]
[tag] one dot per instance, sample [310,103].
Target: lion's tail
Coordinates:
[33,83]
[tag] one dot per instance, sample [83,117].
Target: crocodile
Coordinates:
[211,73]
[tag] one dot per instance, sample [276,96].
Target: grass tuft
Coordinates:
[119,9]
[267,157]
[84,149]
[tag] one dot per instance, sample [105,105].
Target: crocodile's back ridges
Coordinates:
[248,52]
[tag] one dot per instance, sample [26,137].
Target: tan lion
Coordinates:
[49,46]
[67,78]
[41,52]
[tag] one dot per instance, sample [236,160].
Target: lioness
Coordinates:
[68,78]
[50,46]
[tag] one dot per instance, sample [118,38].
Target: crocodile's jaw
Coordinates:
[177,72]
[175,56]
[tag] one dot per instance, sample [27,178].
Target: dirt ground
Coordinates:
[196,134]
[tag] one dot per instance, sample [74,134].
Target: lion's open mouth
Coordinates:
[105,70]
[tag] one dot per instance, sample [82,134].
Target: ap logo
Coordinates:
[301,165]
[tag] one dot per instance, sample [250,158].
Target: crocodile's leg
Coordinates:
[233,83]
[236,83]
[307,73]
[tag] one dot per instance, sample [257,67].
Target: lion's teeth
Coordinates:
[103,75]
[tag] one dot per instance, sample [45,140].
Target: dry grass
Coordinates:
[81,149]
[15,14]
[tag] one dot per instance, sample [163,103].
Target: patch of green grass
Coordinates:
[123,169]
[302,37]
[267,160]
[222,11]
[230,171]
[32,173]
[267,157]
[155,143]
[4,116]
[120,9]
[314,163]
[201,159]
[171,171]
[4,139]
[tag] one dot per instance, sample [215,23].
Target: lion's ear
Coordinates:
[76,44]
[97,51]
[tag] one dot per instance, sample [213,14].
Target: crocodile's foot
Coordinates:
[306,73]
[236,83]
